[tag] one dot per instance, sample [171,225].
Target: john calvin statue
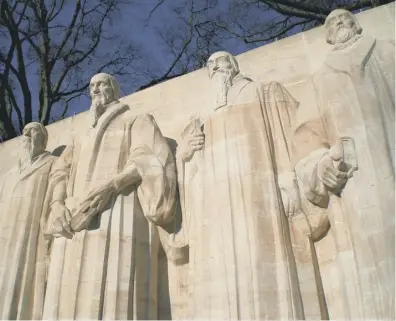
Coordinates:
[344,150]
[237,188]
[119,182]
[25,197]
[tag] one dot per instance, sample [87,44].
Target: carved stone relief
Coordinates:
[344,152]
[235,203]
[102,231]
[117,184]
[25,198]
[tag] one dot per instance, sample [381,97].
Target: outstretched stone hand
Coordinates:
[93,205]
[60,225]
[100,196]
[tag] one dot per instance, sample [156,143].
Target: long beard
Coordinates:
[221,83]
[97,108]
[343,35]
[26,153]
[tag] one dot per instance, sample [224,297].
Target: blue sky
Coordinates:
[130,26]
[156,58]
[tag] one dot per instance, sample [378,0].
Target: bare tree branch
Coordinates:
[96,40]
[41,40]
[282,32]
[152,11]
[13,31]
[251,21]
[15,107]
[69,29]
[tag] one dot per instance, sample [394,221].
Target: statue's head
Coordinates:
[34,141]
[341,26]
[104,89]
[222,62]
[222,67]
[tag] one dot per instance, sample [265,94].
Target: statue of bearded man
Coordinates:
[237,188]
[25,198]
[119,184]
[345,158]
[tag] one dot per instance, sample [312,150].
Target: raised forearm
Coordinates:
[59,193]
[128,177]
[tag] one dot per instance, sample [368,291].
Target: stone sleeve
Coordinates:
[151,158]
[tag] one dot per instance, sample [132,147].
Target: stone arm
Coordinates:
[56,222]
[151,167]
[60,174]
[279,109]
[310,145]
[59,192]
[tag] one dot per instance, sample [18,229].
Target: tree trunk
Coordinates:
[8,128]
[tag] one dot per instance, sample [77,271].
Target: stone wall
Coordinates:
[290,61]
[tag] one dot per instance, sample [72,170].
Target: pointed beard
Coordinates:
[25,153]
[343,35]
[221,83]
[97,108]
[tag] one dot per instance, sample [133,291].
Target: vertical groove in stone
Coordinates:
[111,277]
[77,252]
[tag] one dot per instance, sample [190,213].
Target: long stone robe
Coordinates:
[109,270]
[241,260]
[24,199]
[355,93]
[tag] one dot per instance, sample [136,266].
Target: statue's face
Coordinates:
[219,64]
[101,90]
[33,140]
[341,27]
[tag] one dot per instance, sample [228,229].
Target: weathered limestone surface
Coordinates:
[344,150]
[236,176]
[290,62]
[25,197]
[119,183]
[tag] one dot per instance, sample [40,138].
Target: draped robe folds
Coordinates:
[355,91]
[241,261]
[109,270]
[24,199]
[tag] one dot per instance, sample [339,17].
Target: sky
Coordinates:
[131,26]
[145,36]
